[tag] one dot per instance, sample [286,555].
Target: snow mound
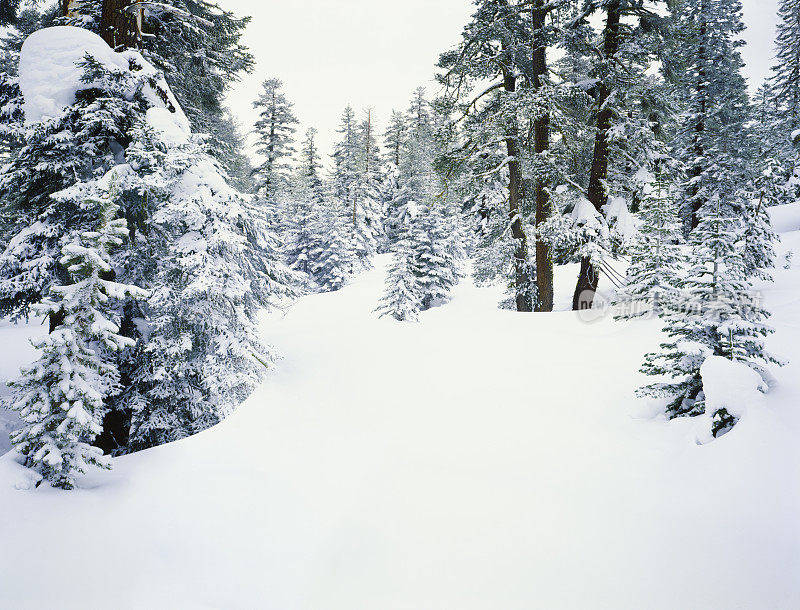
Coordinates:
[49,74]
[620,218]
[785,218]
[731,385]
[172,127]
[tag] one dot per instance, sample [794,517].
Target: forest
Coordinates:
[565,263]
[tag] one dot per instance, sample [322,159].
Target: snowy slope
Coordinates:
[445,465]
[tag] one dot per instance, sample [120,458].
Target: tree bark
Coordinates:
[541,127]
[586,287]
[117,26]
[523,281]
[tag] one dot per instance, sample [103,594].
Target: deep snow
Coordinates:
[480,459]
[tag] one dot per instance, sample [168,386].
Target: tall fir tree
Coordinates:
[274,132]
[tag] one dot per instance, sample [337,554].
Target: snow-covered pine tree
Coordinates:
[624,48]
[334,259]
[434,253]
[495,46]
[303,239]
[80,143]
[274,132]
[215,266]
[715,94]
[368,191]
[61,397]
[401,298]
[786,72]
[781,105]
[394,139]
[353,189]
[200,63]
[653,277]
[776,165]
[721,317]
[426,227]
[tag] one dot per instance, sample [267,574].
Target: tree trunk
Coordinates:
[541,127]
[691,219]
[588,279]
[523,282]
[118,27]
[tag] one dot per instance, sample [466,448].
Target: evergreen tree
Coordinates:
[786,72]
[304,240]
[82,143]
[201,57]
[655,269]
[355,186]
[495,47]
[722,318]
[626,47]
[394,140]
[401,298]
[61,396]
[712,150]
[216,265]
[334,259]
[274,132]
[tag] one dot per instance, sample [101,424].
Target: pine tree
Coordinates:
[216,265]
[61,396]
[495,46]
[355,186]
[654,272]
[434,257]
[81,144]
[394,140]
[628,44]
[786,72]
[334,259]
[722,318]
[274,132]
[201,58]
[401,298]
[304,240]
[715,92]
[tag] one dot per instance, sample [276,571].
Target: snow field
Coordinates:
[479,459]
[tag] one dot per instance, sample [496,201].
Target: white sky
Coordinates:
[376,52]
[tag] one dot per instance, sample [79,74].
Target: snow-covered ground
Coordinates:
[15,349]
[480,459]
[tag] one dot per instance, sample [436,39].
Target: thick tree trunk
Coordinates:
[523,282]
[544,257]
[118,26]
[588,278]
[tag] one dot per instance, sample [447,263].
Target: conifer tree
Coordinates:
[629,38]
[61,396]
[303,242]
[274,132]
[214,265]
[786,72]
[401,298]
[81,144]
[495,46]
[721,318]
[334,259]
[654,274]
[716,96]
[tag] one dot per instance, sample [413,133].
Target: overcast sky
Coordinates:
[376,52]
